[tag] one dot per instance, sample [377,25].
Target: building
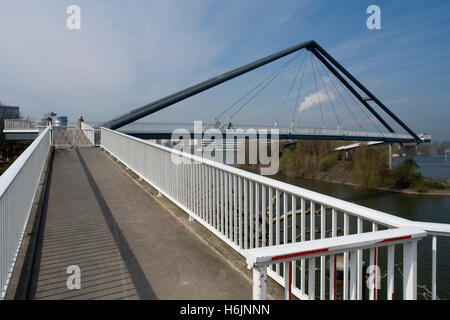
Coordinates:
[9,112]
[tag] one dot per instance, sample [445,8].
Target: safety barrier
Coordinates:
[18,186]
[248,211]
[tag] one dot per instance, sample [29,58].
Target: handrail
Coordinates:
[363,212]
[91,133]
[18,186]
[287,252]
[261,258]
[247,210]
[8,176]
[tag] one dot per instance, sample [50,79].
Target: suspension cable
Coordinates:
[290,90]
[274,74]
[328,73]
[362,109]
[298,96]
[261,89]
[317,92]
[328,94]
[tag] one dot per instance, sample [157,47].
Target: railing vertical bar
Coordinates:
[256,215]
[333,256]
[270,216]
[312,278]
[222,204]
[345,264]
[245,199]
[322,259]
[226,203]
[285,231]
[182,188]
[294,237]
[374,262]
[230,206]
[191,189]
[211,195]
[241,245]
[195,188]
[235,221]
[205,192]
[372,266]
[286,272]
[202,184]
[277,225]
[433,266]
[302,239]
[285,218]
[359,262]
[214,196]
[263,214]
[217,199]
[199,189]
[410,270]
[251,213]
[390,272]
[353,275]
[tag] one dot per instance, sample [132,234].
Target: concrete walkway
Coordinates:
[126,245]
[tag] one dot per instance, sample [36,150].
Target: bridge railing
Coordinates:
[92,134]
[18,185]
[18,124]
[248,211]
[261,258]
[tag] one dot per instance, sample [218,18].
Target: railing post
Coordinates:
[260,283]
[410,270]
[433,272]
[390,270]
[311,278]
[353,275]
[287,280]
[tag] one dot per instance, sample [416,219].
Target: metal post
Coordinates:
[311,278]
[353,275]
[259,283]
[433,276]
[390,270]
[287,280]
[410,270]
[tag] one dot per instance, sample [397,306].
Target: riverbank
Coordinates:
[339,177]
[363,168]
[435,192]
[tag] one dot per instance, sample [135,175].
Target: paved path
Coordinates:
[126,245]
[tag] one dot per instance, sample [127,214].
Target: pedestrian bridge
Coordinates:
[143,221]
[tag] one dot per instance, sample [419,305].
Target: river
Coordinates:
[414,207]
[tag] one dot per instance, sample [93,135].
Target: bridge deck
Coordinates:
[126,245]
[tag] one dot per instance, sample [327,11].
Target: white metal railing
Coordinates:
[261,258]
[92,134]
[248,211]
[17,124]
[18,187]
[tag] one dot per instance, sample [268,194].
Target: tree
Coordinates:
[369,166]
[405,174]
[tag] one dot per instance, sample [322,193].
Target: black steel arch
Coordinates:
[311,45]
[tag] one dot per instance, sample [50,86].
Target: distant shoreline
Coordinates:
[385,189]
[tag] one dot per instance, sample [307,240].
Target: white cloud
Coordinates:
[315,98]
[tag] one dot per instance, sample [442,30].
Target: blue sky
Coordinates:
[129,53]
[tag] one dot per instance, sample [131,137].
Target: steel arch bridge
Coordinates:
[332,65]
